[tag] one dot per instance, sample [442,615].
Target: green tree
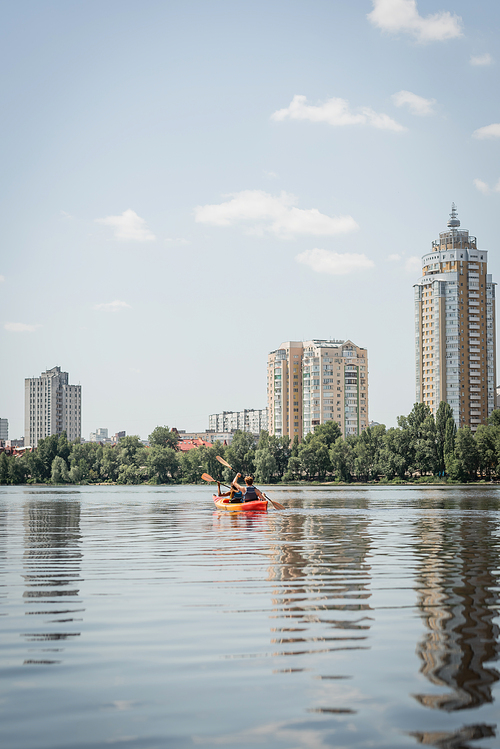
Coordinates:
[59,471]
[466,455]
[342,458]
[163,464]
[443,414]
[241,453]
[328,432]
[18,469]
[485,443]
[394,453]
[4,469]
[163,437]
[265,465]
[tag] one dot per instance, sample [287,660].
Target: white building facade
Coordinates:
[51,406]
[249,420]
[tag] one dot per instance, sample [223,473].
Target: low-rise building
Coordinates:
[249,420]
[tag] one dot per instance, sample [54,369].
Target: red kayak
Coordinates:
[223,503]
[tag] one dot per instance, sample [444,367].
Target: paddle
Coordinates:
[207,477]
[276,505]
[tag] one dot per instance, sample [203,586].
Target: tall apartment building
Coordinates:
[455,327]
[51,406]
[249,420]
[311,382]
[4,429]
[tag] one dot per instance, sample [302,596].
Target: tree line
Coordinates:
[422,447]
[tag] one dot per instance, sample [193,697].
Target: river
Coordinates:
[358,617]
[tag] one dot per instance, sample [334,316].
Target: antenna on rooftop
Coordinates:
[453,221]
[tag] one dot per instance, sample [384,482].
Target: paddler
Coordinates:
[249,492]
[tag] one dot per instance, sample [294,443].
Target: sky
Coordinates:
[186,185]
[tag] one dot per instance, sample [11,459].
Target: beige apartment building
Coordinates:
[51,406]
[455,327]
[311,382]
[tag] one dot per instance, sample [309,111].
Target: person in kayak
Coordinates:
[250,492]
[235,494]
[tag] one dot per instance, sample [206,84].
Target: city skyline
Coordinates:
[185,185]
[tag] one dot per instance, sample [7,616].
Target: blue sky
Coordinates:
[185,185]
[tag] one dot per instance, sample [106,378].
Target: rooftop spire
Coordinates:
[453,220]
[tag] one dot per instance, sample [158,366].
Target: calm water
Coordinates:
[356,618]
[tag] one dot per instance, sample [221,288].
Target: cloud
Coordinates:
[115,306]
[177,240]
[416,104]
[66,215]
[394,16]
[278,215]
[485,59]
[485,188]
[335,112]
[271,175]
[334,263]
[488,131]
[394,258]
[128,227]
[20,327]
[413,265]
[2,279]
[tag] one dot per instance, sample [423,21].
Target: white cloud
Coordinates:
[488,131]
[394,16]
[394,258]
[177,240]
[485,188]
[271,175]
[416,104]
[335,112]
[115,306]
[413,265]
[278,215]
[2,279]
[129,227]
[334,263]
[485,59]
[66,215]
[20,327]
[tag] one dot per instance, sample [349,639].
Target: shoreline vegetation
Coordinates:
[421,450]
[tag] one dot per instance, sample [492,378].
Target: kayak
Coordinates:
[223,503]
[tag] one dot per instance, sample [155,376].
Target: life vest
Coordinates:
[251,494]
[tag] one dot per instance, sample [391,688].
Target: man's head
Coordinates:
[248,480]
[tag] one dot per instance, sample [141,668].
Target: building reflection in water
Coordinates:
[52,564]
[457,586]
[320,580]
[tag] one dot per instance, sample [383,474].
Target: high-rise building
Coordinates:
[455,327]
[4,429]
[51,406]
[249,420]
[312,382]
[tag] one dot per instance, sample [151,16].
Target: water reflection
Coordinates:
[321,579]
[51,564]
[458,595]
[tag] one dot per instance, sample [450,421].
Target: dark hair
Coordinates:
[248,480]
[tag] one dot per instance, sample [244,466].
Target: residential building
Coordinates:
[207,436]
[4,429]
[455,327]
[312,382]
[248,420]
[100,435]
[51,406]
